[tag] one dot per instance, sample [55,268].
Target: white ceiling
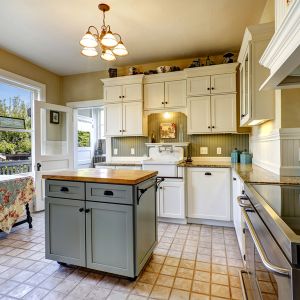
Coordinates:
[48,32]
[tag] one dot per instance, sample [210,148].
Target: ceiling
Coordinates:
[47,33]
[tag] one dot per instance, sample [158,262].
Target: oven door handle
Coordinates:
[261,251]
[241,203]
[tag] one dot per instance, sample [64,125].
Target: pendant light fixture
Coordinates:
[110,43]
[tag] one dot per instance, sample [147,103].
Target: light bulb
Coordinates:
[108,55]
[109,40]
[120,49]
[88,40]
[89,51]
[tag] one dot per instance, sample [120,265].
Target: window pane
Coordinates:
[16,102]
[84,139]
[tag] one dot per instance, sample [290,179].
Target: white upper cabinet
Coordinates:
[197,86]
[175,93]
[256,106]
[154,95]
[133,118]
[132,92]
[223,83]
[209,193]
[198,120]
[113,119]
[223,113]
[113,93]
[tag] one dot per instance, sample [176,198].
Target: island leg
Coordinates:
[29,218]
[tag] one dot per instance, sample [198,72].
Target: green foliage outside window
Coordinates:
[84,139]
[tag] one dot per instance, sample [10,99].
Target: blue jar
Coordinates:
[235,156]
[246,157]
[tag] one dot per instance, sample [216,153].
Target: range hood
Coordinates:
[282,56]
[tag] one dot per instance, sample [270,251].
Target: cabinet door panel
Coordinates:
[133,118]
[109,240]
[199,115]
[154,95]
[65,231]
[197,86]
[223,110]
[171,200]
[132,92]
[223,83]
[175,93]
[113,119]
[113,93]
[209,195]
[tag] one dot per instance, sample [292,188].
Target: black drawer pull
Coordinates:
[81,209]
[64,189]
[108,193]
[207,173]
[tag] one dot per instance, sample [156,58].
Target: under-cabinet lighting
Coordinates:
[256,122]
[167,115]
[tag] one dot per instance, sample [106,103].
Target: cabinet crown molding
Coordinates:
[130,79]
[211,70]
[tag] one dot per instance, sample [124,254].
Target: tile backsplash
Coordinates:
[227,142]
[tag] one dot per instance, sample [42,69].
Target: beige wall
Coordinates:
[290,108]
[20,66]
[268,14]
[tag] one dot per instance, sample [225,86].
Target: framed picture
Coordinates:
[8,122]
[54,117]
[167,130]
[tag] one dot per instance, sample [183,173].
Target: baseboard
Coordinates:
[290,171]
[210,222]
[173,220]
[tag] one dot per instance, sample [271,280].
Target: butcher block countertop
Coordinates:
[128,177]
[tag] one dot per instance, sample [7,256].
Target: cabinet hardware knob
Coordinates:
[120,96]
[81,209]
[124,130]
[160,188]
[207,173]
[242,115]
[163,103]
[208,127]
[166,102]
[64,189]
[234,178]
[212,88]
[87,210]
[213,127]
[108,193]
[120,130]
[208,88]
[123,96]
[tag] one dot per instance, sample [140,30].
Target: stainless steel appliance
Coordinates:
[272,234]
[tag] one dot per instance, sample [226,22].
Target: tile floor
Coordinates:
[189,262]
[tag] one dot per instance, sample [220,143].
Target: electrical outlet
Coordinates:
[203,150]
[219,150]
[115,151]
[132,151]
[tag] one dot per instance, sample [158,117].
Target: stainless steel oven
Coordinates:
[270,273]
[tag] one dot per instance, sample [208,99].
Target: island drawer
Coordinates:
[110,193]
[65,189]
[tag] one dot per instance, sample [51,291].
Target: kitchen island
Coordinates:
[101,219]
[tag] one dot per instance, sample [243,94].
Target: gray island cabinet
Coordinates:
[96,223]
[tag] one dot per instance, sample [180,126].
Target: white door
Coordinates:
[199,115]
[132,118]
[113,119]
[154,95]
[197,86]
[209,193]
[113,93]
[132,92]
[223,83]
[175,93]
[223,113]
[54,146]
[171,200]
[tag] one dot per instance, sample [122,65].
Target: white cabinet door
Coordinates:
[154,95]
[113,93]
[171,200]
[132,92]
[223,113]
[113,119]
[209,193]
[198,86]
[223,83]
[132,118]
[198,115]
[175,93]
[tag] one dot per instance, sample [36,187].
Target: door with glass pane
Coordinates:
[54,146]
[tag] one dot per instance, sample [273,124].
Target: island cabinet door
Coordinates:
[109,238]
[65,231]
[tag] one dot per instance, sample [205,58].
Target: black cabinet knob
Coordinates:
[64,189]
[234,178]
[212,88]
[87,210]
[120,96]
[108,193]
[163,103]
[213,127]
[242,115]
[81,209]
[207,173]
[208,127]
[208,88]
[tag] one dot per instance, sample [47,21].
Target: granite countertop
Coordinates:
[128,177]
[119,163]
[205,164]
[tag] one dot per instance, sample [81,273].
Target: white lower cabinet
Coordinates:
[237,188]
[171,200]
[209,193]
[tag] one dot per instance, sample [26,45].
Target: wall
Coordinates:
[226,141]
[88,86]
[20,66]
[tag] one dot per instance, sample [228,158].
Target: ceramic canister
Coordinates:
[246,157]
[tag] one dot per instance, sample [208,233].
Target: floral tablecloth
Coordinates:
[15,192]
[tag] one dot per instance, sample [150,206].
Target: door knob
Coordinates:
[38,167]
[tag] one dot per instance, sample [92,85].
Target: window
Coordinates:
[101,121]
[16,100]
[84,139]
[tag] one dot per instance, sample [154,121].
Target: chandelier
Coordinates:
[110,43]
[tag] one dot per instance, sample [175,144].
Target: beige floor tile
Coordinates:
[125,285]
[116,295]
[98,293]
[219,279]
[158,259]
[236,293]
[51,283]
[148,277]
[160,292]
[182,284]
[201,287]
[220,269]
[165,280]
[195,296]
[153,267]
[220,291]
[185,273]
[202,266]
[235,281]
[168,270]
[186,263]
[202,276]
[171,261]
[8,286]
[35,294]
[142,289]
[179,295]
[66,286]
[54,296]
[20,291]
